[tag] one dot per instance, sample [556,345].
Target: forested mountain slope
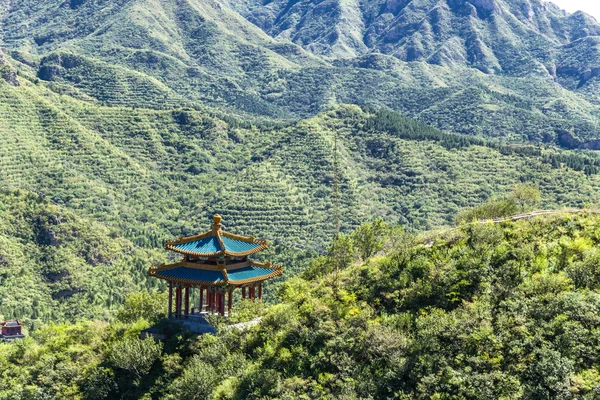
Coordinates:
[155,174]
[56,266]
[200,53]
[478,311]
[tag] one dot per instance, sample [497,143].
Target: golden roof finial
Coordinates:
[217,222]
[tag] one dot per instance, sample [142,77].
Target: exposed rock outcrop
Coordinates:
[7,72]
[567,140]
[485,6]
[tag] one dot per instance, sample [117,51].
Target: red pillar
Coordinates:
[222,303]
[260,291]
[243,293]
[229,301]
[201,301]
[252,293]
[208,299]
[178,301]
[215,300]
[187,301]
[170,299]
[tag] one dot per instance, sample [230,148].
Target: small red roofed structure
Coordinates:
[11,330]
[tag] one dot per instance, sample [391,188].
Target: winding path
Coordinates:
[533,214]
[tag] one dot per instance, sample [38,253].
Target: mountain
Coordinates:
[148,117]
[427,59]
[127,179]
[124,123]
[155,174]
[514,37]
[483,310]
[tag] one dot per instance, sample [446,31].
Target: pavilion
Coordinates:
[215,264]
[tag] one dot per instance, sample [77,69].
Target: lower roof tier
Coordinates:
[197,274]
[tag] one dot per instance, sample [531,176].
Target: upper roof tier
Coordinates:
[217,242]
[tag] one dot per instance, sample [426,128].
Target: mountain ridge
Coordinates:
[141,54]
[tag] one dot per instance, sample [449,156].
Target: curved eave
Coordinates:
[186,239]
[261,245]
[246,253]
[276,272]
[193,253]
[156,272]
[191,281]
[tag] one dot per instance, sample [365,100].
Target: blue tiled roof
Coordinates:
[209,244]
[193,274]
[248,273]
[238,246]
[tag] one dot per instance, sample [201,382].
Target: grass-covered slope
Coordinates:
[56,266]
[504,311]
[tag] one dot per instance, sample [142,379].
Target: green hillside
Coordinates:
[130,122]
[144,176]
[56,266]
[199,53]
[503,311]
[155,174]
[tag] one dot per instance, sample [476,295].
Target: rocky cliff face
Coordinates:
[513,37]
[7,72]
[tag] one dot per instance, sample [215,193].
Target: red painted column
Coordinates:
[201,301]
[208,299]
[243,293]
[170,299]
[260,291]
[187,301]
[215,300]
[178,301]
[222,303]
[229,301]
[252,293]
[218,302]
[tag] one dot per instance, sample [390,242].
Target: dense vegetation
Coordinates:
[478,311]
[56,266]
[459,69]
[144,176]
[125,123]
[155,174]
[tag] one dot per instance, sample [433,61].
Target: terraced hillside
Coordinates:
[154,174]
[198,53]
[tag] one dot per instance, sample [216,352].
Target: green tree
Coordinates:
[527,196]
[494,208]
[135,355]
[369,238]
[342,252]
[143,305]
[196,382]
